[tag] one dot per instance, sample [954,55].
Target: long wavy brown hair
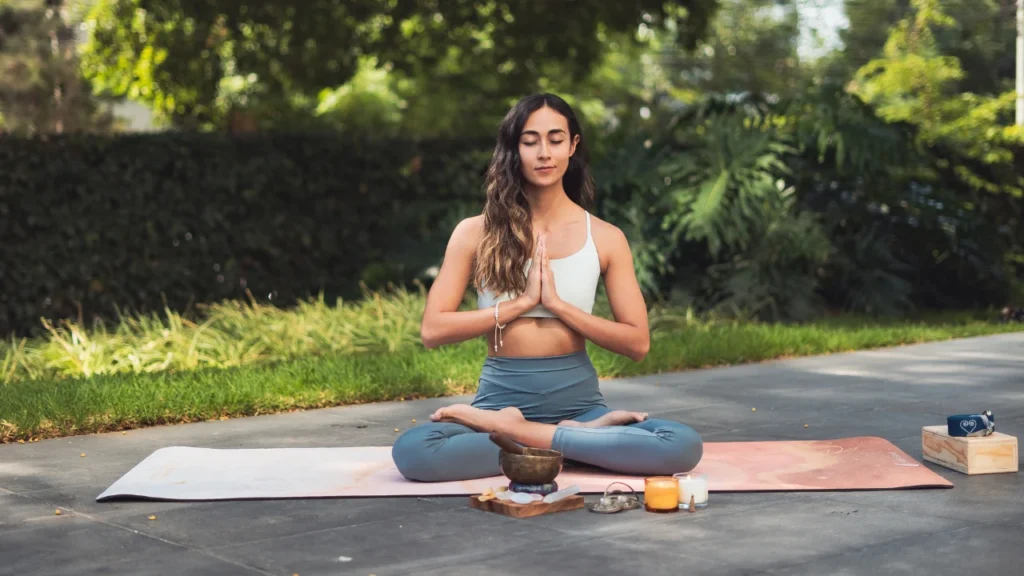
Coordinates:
[508,231]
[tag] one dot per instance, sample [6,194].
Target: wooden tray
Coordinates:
[514,510]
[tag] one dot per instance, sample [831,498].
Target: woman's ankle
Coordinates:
[513,424]
[506,421]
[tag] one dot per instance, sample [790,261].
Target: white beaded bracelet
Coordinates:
[498,328]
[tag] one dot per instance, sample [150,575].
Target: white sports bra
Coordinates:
[576,278]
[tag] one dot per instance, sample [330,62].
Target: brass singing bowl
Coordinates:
[534,466]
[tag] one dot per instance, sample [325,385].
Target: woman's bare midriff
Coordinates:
[536,337]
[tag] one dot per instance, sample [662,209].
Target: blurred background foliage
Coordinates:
[763,164]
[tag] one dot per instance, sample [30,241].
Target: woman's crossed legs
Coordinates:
[459,448]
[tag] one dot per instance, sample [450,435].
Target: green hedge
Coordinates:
[90,225]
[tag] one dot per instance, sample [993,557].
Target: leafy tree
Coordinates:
[713,218]
[915,82]
[197,62]
[853,172]
[752,48]
[979,33]
[868,29]
[776,278]
[731,190]
[41,90]
[729,170]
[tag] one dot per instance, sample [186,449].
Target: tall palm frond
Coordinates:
[729,163]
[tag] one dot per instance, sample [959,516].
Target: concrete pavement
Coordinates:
[975,527]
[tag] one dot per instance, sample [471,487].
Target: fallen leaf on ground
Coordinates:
[152,517]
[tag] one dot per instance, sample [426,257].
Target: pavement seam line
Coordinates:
[320,531]
[904,510]
[566,539]
[202,551]
[29,493]
[103,522]
[864,549]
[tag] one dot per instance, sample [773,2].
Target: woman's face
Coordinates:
[545,148]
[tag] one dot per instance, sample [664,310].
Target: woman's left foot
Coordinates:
[477,419]
[613,418]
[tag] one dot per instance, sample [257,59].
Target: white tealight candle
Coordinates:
[696,485]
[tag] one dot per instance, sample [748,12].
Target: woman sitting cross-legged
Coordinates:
[535,256]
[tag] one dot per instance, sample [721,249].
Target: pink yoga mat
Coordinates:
[186,473]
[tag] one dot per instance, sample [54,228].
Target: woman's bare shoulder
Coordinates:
[465,238]
[611,242]
[607,234]
[468,232]
[456,266]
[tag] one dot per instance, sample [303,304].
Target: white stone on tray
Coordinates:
[561,494]
[521,498]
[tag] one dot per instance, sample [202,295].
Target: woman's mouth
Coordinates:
[545,169]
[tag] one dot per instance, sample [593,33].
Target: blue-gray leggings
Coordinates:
[547,389]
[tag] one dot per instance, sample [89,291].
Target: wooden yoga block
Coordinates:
[971,455]
[507,508]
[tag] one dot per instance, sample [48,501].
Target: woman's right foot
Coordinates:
[613,418]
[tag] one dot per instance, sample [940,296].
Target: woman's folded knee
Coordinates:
[412,455]
[682,448]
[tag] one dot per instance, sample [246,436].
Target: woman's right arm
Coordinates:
[442,323]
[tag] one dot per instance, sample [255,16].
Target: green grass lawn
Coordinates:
[395,367]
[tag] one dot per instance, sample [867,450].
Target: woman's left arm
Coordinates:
[629,334]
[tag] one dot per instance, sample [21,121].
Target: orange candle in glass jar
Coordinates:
[661,494]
